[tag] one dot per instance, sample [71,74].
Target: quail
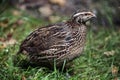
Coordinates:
[57,43]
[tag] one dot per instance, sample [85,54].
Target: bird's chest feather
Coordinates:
[77,36]
[77,40]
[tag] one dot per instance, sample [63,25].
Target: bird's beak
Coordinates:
[93,15]
[90,16]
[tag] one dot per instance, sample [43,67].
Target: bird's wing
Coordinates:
[51,40]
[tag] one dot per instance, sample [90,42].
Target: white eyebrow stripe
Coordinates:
[80,13]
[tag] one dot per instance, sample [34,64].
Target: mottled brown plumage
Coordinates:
[58,42]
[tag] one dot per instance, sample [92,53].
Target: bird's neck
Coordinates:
[75,24]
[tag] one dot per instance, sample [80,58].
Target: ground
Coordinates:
[100,60]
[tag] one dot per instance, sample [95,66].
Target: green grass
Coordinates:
[92,65]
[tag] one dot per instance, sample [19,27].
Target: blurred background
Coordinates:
[102,51]
[107,11]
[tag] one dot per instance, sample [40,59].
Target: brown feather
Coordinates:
[59,42]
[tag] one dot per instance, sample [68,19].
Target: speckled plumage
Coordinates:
[56,43]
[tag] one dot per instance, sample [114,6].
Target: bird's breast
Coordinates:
[78,39]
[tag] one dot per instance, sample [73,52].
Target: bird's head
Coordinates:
[82,17]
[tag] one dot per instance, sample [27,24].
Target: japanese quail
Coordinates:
[56,43]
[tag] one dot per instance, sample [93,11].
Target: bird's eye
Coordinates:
[86,14]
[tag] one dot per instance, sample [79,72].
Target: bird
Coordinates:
[57,43]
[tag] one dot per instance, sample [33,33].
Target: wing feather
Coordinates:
[48,41]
